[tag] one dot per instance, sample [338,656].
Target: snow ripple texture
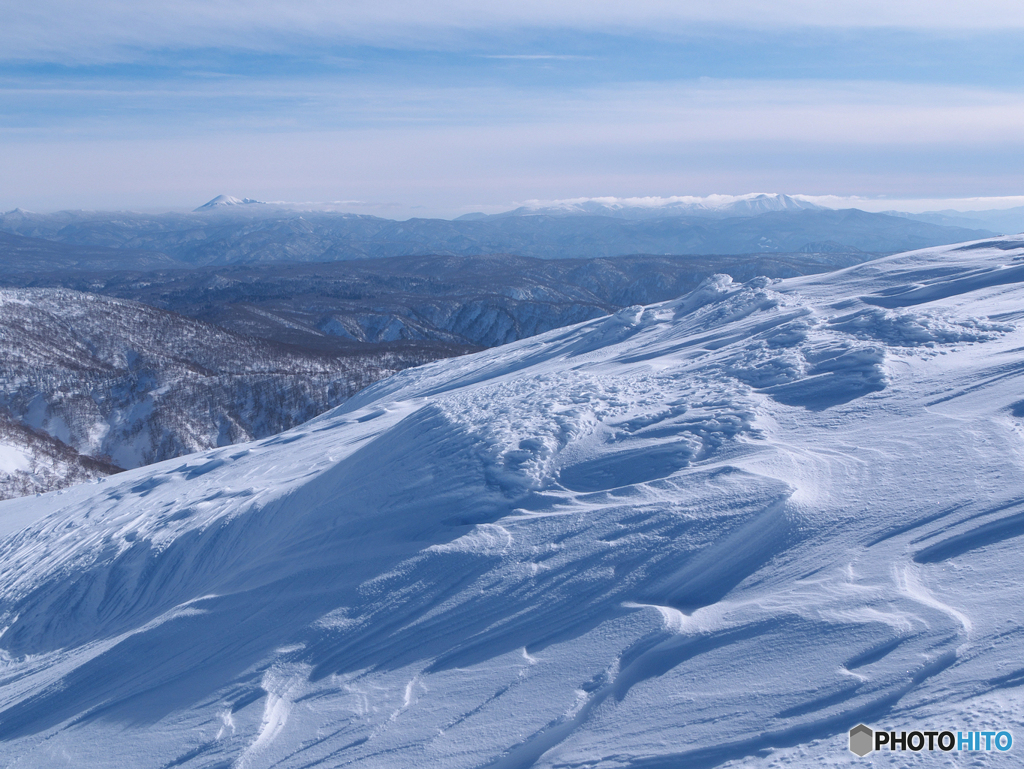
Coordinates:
[715,531]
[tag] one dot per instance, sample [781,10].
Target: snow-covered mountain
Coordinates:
[712,206]
[720,530]
[222,201]
[750,204]
[85,381]
[466,301]
[115,382]
[34,462]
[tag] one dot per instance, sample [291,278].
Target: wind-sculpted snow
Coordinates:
[720,530]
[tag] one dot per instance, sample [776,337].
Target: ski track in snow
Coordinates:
[717,531]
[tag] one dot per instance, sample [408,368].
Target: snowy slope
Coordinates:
[722,529]
[121,382]
[32,462]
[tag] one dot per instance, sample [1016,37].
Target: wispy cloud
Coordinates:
[535,56]
[916,205]
[95,30]
[447,147]
[709,111]
[393,100]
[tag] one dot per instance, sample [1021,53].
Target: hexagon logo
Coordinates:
[862,740]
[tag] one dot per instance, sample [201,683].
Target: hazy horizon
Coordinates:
[875,205]
[403,111]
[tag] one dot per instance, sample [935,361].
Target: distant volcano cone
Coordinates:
[226,200]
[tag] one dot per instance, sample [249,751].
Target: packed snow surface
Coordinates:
[719,530]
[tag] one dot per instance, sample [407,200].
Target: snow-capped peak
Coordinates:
[750,204]
[226,200]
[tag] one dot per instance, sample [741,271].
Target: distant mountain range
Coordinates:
[20,254]
[1006,221]
[479,301]
[712,206]
[250,233]
[128,338]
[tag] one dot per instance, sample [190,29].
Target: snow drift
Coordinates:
[719,529]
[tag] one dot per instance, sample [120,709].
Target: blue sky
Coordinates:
[406,109]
